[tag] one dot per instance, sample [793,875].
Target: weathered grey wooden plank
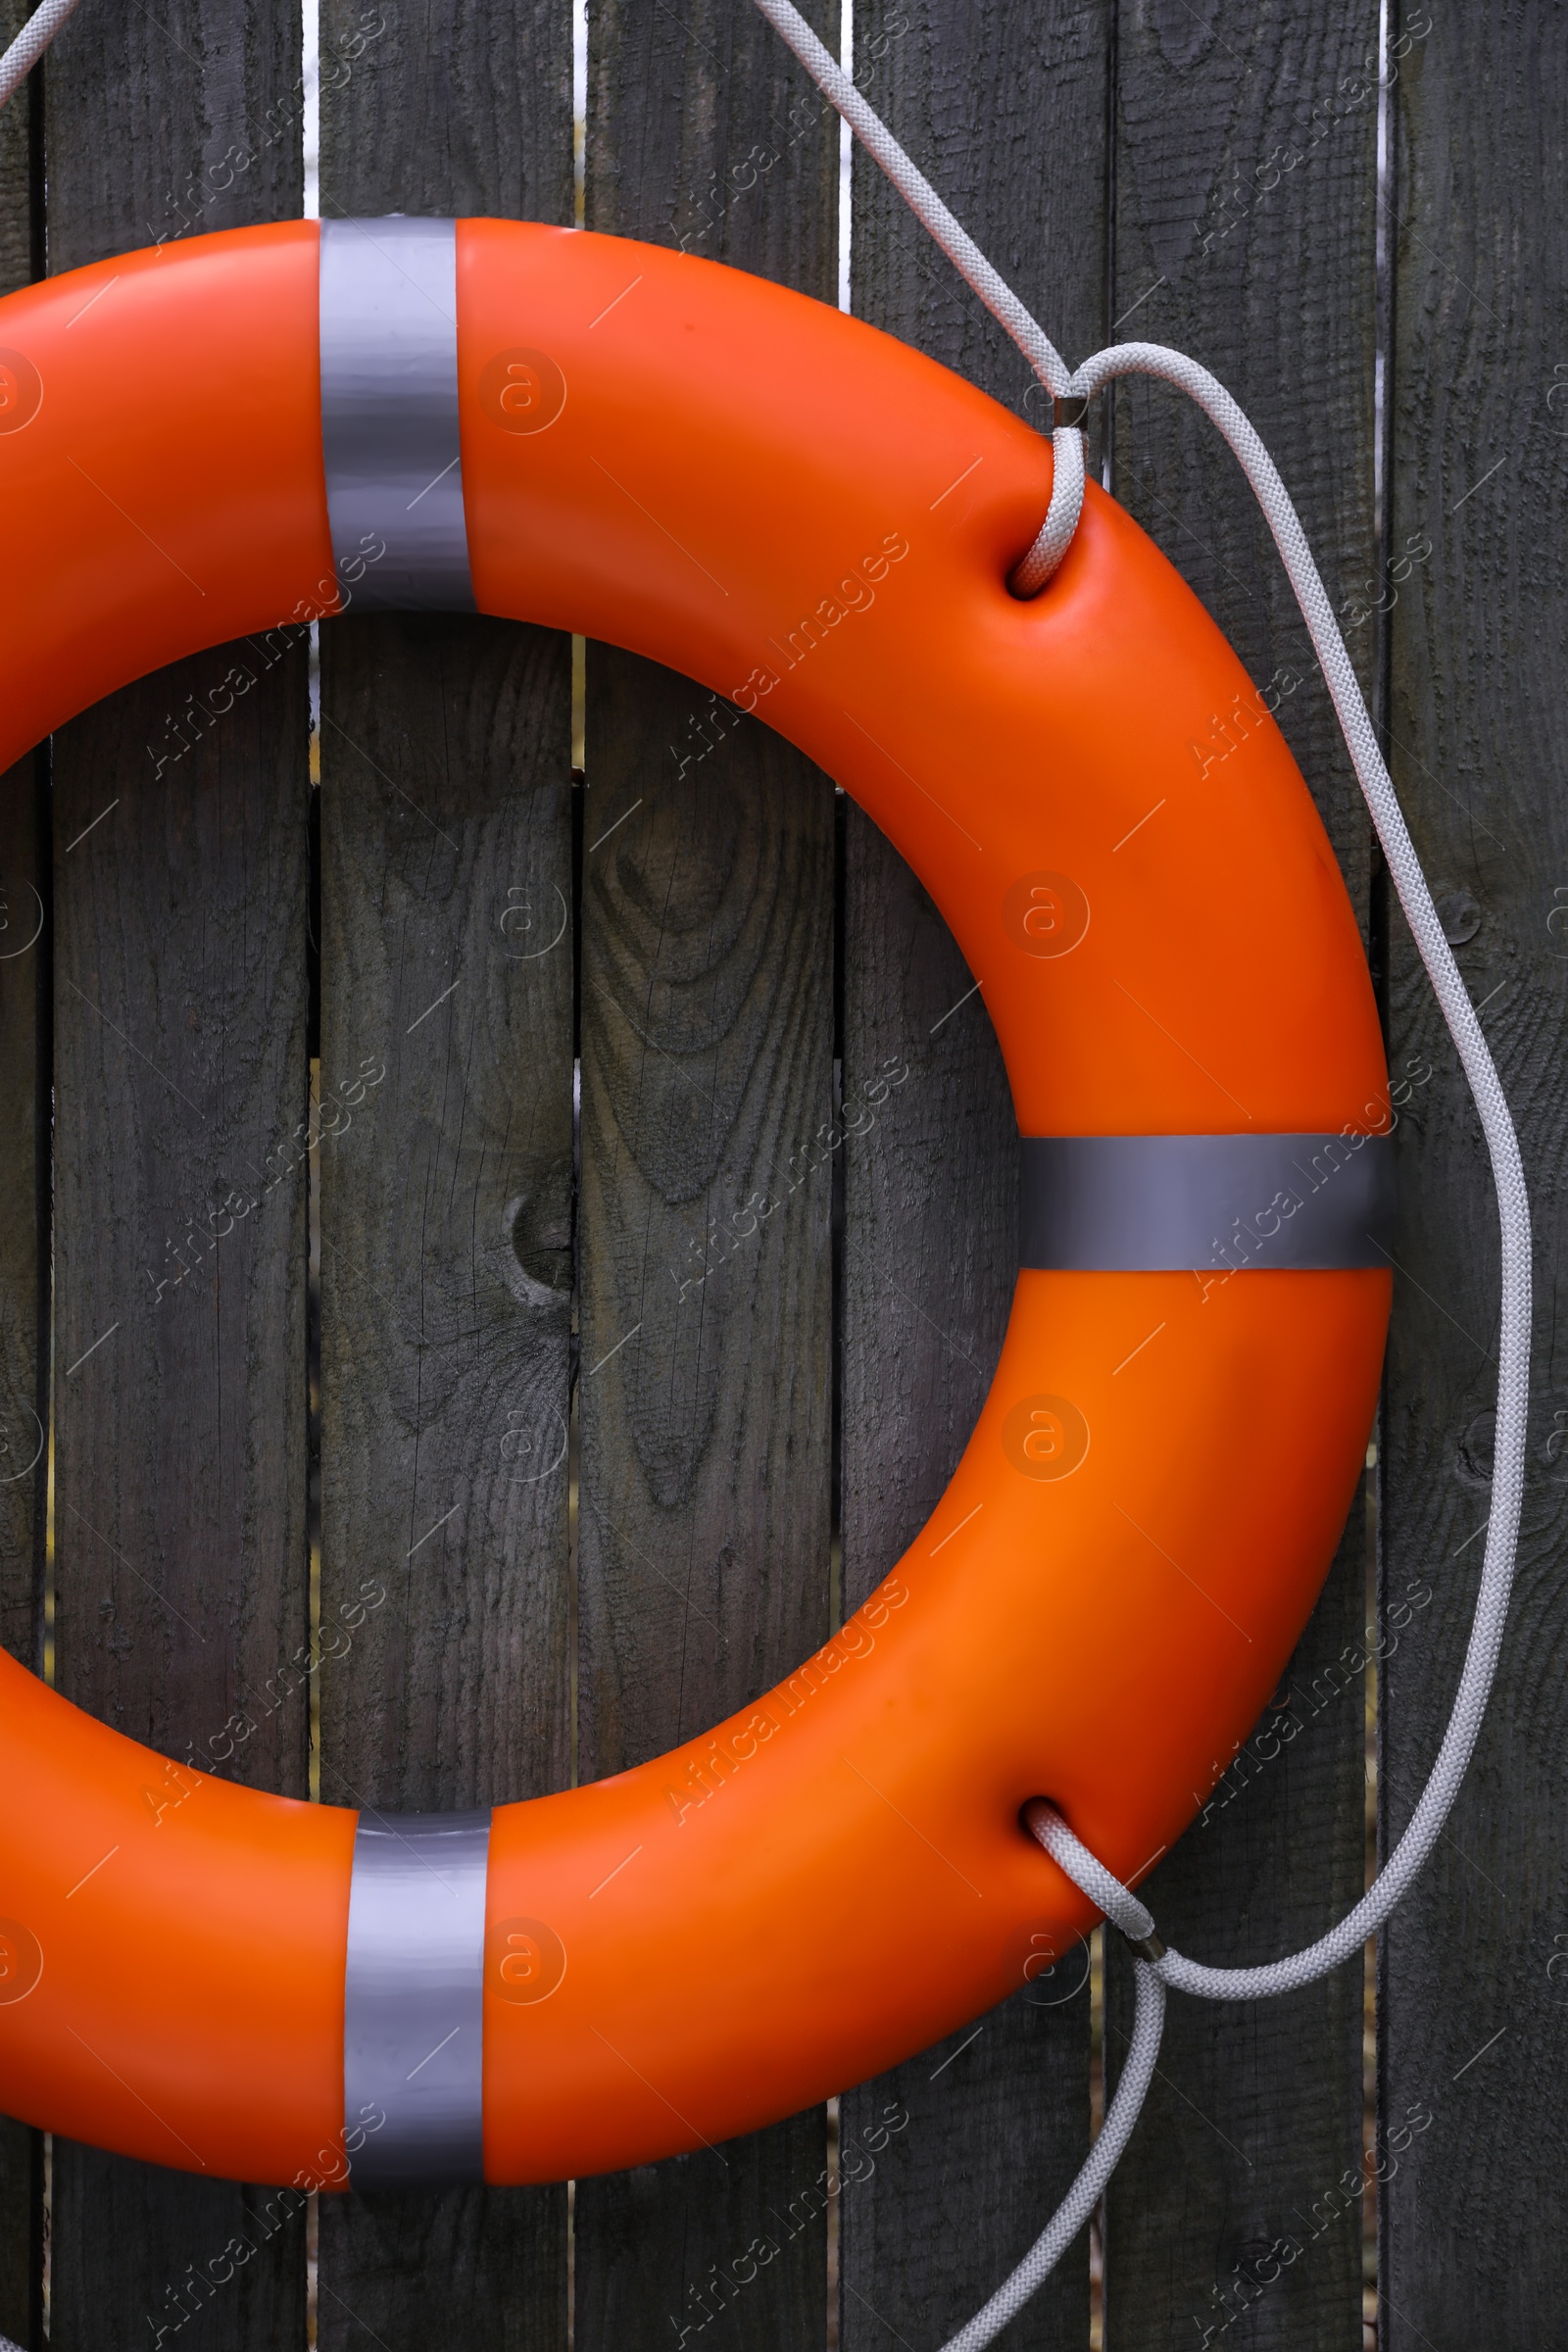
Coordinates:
[446,1239]
[703,133]
[23,993]
[170,122]
[428,109]
[21,2233]
[1245,233]
[25,951]
[446,1216]
[181,1562]
[706,1054]
[1002,106]
[179,1304]
[18,160]
[1472,1985]
[446,1223]
[1006,110]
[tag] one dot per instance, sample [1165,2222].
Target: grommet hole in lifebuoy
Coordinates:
[1177,984]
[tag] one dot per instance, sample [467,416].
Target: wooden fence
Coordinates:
[458,920]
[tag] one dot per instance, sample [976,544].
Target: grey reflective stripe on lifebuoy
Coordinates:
[389,414]
[1158,1203]
[413,2010]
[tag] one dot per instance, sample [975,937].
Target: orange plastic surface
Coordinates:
[805,516]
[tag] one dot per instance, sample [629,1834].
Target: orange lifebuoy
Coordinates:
[203,442]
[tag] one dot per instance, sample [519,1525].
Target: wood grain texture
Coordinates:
[1005,109]
[707,1058]
[25,949]
[444,106]
[703,133]
[180,1311]
[1245,224]
[446,1211]
[706,1009]
[23,1158]
[18,221]
[20,2235]
[1245,234]
[181,1564]
[169,123]
[1002,106]
[705,1395]
[446,1256]
[447,1220]
[1472,1987]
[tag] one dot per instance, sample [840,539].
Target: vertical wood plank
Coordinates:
[170,122]
[1005,109]
[707,1056]
[445,1230]
[1472,1987]
[18,124]
[179,1268]
[179,1402]
[1246,158]
[707,1012]
[427,108]
[24,1215]
[20,2235]
[25,947]
[446,1215]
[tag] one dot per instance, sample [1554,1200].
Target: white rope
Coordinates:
[1076,2207]
[18,62]
[1513,1205]
[1160,1966]
[1119,1904]
[1066,442]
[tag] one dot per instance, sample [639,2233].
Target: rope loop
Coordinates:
[1089,1874]
[1056,534]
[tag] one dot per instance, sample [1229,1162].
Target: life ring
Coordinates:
[820,524]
